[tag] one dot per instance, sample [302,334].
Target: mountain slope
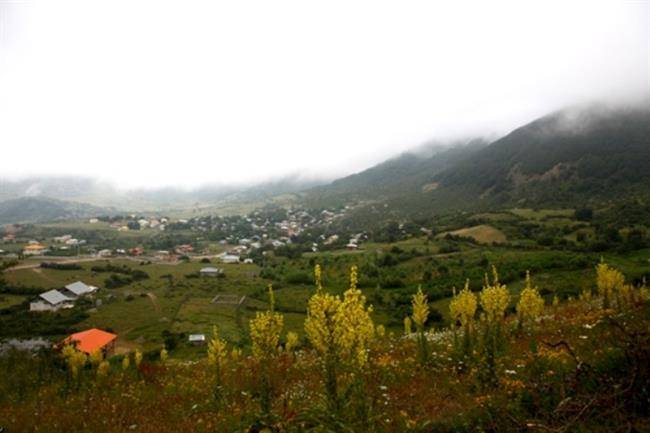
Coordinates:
[410,173]
[575,154]
[41,209]
[582,155]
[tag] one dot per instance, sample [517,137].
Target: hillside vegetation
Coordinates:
[579,366]
[587,154]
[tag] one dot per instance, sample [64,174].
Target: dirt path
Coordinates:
[154,301]
[46,277]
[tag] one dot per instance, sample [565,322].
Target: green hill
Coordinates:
[41,209]
[576,154]
[588,155]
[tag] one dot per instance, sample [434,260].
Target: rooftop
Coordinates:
[90,340]
[54,297]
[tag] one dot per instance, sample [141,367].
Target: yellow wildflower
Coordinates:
[103,369]
[96,357]
[355,327]
[317,278]
[407,326]
[340,327]
[137,358]
[420,308]
[216,349]
[608,280]
[463,306]
[126,362]
[494,298]
[292,341]
[531,304]
[75,359]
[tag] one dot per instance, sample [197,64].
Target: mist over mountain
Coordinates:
[583,154]
[576,156]
[577,153]
[103,194]
[42,209]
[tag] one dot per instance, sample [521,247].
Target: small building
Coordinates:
[210,272]
[229,258]
[137,251]
[79,289]
[92,340]
[34,249]
[184,249]
[352,246]
[196,339]
[51,300]
[105,253]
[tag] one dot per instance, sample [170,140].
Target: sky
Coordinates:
[167,93]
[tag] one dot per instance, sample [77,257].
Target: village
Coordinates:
[103,261]
[239,238]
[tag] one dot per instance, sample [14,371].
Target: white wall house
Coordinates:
[52,300]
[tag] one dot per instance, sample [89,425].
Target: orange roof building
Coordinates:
[91,340]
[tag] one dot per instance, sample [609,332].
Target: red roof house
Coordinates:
[91,340]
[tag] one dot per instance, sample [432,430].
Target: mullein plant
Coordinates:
[462,309]
[420,314]
[216,359]
[265,330]
[609,281]
[530,305]
[341,331]
[494,299]
[75,361]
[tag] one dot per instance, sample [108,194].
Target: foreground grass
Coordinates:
[580,369]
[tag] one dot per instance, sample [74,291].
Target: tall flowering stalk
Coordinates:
[340,330]
[462,309]
[217,358]
[408,326]
[609,282]
[420,315]
[494,299]
[75,360]
[265,331]
[531,304]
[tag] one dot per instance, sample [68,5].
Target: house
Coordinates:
[229,258]
[184,249]
[92,340]
[9,238]
[352,246]
[93,220]
[79,289]
[34,249]
[105,253]
[197,339]
[51,300]
[210,272]
[137,251]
